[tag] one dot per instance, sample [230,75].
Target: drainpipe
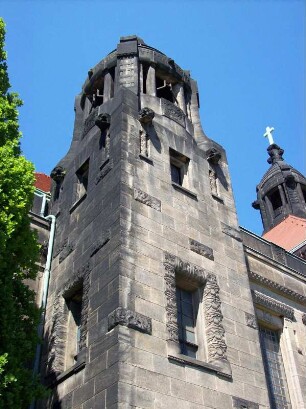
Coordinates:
[43,302]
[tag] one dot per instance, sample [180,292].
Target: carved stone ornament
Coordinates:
[214,331]
[58,174]
[146,115]
[173,112]
[147,199]
[130,319]
[103,121]
[273,305]
[213,155]
[280,288]
[201,249]
[58,333]
[90,121]
[230,231]
[251,320]
[239,403]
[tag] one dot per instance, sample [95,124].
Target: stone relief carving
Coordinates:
[126,70]
[104,170]
[147,199]
[239,403]
[146,115]
[273,304]
[57,337]
[90,121]
[144,143]
[173,112]
[272,284]
[201,249]
[230,231]
[213,182]
[213,156]
[103,121]
[58,174]
[212,305]
[130,319]
[251,320]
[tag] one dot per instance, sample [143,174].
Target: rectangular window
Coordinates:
[82,184]
[74,304]
[178,167]
[186,322]
[274,369]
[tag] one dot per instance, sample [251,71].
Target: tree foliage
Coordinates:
[18,253]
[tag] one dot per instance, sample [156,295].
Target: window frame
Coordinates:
[210,331]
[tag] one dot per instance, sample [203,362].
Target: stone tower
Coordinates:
[149,304]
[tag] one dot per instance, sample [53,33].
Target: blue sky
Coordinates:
[248,58]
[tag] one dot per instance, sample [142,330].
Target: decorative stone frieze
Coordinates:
[201,249]
[172,111]
[239,403]
[250,320]
[104,170]
[130,319]
[273,304]
[214,331]
[280,288]
[147,199]
[90,121]
[146,115]
[230,231]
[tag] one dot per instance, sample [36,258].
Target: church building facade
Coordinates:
[156,298]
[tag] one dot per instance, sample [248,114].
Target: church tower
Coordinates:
[149,304]
[281,199]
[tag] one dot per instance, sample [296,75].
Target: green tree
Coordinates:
[19,315]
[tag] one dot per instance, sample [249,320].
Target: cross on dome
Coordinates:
[268,134]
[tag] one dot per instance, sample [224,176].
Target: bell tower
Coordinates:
[281,199]
[149,304]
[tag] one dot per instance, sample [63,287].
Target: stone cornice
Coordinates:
[275,286]
[273,305]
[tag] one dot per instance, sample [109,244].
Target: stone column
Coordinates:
[151,82]
[178,90]
[108,87]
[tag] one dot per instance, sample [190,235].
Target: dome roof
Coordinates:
[279,171]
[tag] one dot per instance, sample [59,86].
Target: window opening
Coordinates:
[145,69]
[82,175]
[164,89]
[73,340]
[178,167]
[274,369]
[186,322]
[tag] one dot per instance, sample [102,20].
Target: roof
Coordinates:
[288,233]
[42,182]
